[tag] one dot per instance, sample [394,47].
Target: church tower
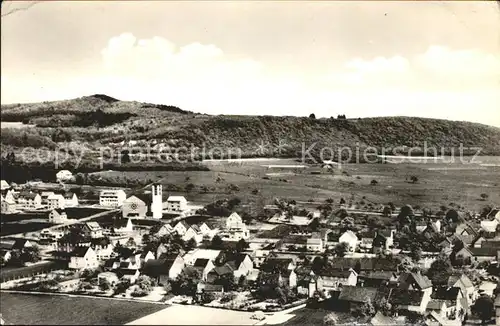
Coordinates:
[156,203]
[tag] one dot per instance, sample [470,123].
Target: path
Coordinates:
[280,317]
[69,222]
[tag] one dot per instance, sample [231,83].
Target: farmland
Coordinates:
[26,309]
[437,184]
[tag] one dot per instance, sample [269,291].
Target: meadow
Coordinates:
[438,184]
[27,309]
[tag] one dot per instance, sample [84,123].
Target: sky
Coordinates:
[363,59]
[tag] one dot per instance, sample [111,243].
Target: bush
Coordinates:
[138,292]
[207,297]
[227,297]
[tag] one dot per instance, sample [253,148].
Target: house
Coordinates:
[193,232]
[365,263]
[376,278]
[259,257]
[56,201]
[176,204]
[71,200]
[130,261]
[198,253]
[92,230]
[164,269]
[58,216]
[4,255]
[83,258]
[4,185]
[406,299]
[414,281]
[110,277]
[123,226]
[459,303]
[315,242]
[156,201]
[146,256]
[353,297]
[466,232]
[494,214]
[489,226]
[444,308]
[45,196]
[133,207]
[128,274]
[165,229]
[350,238]
[381,320]
[219,271]
[235,229]
[103,249]
[20,244]
[64,176]
[240,263]
[204,266]
[329,280]
[459,280]
[483,254]
[7,206]
[272,264]
[29,200]
[112,198]
[181,227]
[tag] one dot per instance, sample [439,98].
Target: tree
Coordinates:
[242,282]
[190,244]
[186,284]
[415,251]
[104,285]
[30,254]
[312,116]
[217,242]
[387,211]
[374,182]
[227,281]
[330,320]
[131,243]
[484,308]
[189,187]
[439,270]
[125,156]
[414,179]
[342,201]
[242,245]
[484,196]
[341,249]
[145,283]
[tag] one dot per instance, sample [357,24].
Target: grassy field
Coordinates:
[25,309]
[438,184]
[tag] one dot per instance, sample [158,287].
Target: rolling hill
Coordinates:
[99,120]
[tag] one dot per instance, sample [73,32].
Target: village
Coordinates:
[384,265]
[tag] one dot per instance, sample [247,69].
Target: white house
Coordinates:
[4,185]
[64,176]
[235,229]
[56,201]
[92,230]
[83,258]
[181,228]
[193,232]
[315,242]
[58,216]
[193,255]
[129,227]
[70,199]
[133,207]
[164,230]
[8,205]
[29,200]
[9,196]
[112,198]
[45,196]
[350,238]
[176,204]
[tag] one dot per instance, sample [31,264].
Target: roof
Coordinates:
[436,304]
[406,297]
[27,194]
[59,210]
[365,263]
[376,275]
[358,293]
[69,195]
[276,264]
[157,267]
[201,262]
[47,193]
[222,270]
[407,279]
[55,196]
[176,198]
[6,245]
[128,271]
[79,251]
[328,273]
[19,244]
[93,226]
[134,199]
[483,251]
[462,278]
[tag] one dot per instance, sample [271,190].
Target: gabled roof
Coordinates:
[365,263]
[68,195]
[483,251]
[222,270]
[93,226]
[80,251]
[157,267]
[406,297]
[407,279]
[376,275]
[19,244]
[462,278]
[59,211]
[328,273]
[134,199]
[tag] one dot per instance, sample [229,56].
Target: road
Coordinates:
[29,235]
